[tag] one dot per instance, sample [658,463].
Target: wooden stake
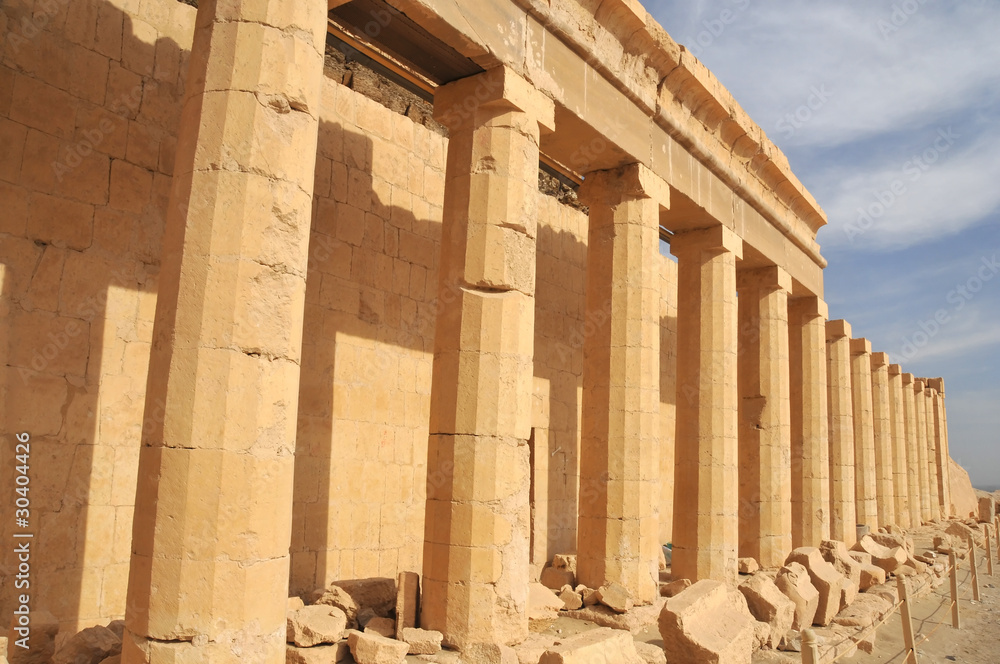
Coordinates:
[904,597]
[956,620]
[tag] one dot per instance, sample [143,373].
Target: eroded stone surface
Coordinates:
[708,622]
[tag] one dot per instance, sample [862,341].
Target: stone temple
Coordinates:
[417,303]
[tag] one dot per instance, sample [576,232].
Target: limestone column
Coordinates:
[208,579]
[943,456]
[706,484]
[932,452]
[912,450]
[882,421]
[897,425]
[923,458]
[864,433]
[475,583]
[840,404]
[619,456]
[765,444]
[809,419]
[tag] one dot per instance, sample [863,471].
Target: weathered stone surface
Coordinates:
[341,599]
[650,653]
[371,648]
[633,621]
[532,648]
[376,593]
[326,654]
[564,561]
[615,597]
[555,578]
[884,557]
[769,605]
[836,554]
[794,582]
[828,581]
[117,627]
[487,653]
[543,604]
[747,565]
[571,599]
[382,626]
[864,612]
[422,641]
[597,645]
[674,587]
[407,599]
[887,591]
[708,622]
[295,603]
[893,540]
[861,557]
[316,624]
[987,509]
[44,627]
[90,646]
[871,575]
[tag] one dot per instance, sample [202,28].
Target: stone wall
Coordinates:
[90,96]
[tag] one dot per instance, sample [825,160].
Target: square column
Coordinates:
[943,455]
[864,434]
[912,451]
[840,403]
[923,457]
[809,419]
[475,582]
[882,421]
[208,579]
[706,484]
[932,452]
[897,425]
[765,444]
[619,456]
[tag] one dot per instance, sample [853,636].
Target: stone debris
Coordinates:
[865,612]
[888,559]
[835,553]
[769,606]
[829,582]
[987,509]
[314,625]
[634,621]
[564,561]
[543,604]
[382,626]
[487,653]
[294,604]
[407,599]
[44,627]
[748,565]
[861,557]
[589,595]
[871,576]
[794,582]
[708,622]
[615,597]
[422,641]
[597,645]
[376,593]
[325,654]
[891,541]
[555,578]
[571,599]
[674,587]
[90,646]
[338,597]
[371,648]
[650,653]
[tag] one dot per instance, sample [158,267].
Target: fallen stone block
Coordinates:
[407,599]
[338,597]
[596,645]
[650,653]
[861,557]
[376,593]
[314,625]
[382,626]
[794,583]
[555,578]
[371,648]
[44,627]
[987,509]
[828,581]
[882,556]
[769,606]
[633,621]
[887,591]
[589,595]
[614,596]
[962,532]
[487,653]
[294,604]
[708,622]
[564,561]
[571,599]
[865,612]
[543,604]
[835,553]
[748,565]
[421,641]
[329,654]
[532,648]
[775,657]
[849,589]
[89,646]
[674,587]
[892,541]
[871,575]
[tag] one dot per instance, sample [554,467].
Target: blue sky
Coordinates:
[889,113]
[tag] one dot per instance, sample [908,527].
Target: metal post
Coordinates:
[956,620]
[904,598]
[810,647]
[975,568]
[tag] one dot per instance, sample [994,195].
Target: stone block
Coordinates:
[370,648]
[294,604]
[794,582]
[887,591]
[597,645]
[770,606]
[615,597]
[634,621]
[708,622]
[487,653]
[90,646]
[555,578]
[871,575]
[882,556]
[338,597]
[571,599]
[650,653]
[314,625]
[861,557]
[866,611]
[543,604]
[893,540]
[331,654]
[564,561]
[828,581]
[674,587]
[422,641]
[836,554]
[987,509]
[748,565]
[44,627]
[382,626]
[407,599]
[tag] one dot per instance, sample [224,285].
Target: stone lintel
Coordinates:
[918,386]
[907,379]
[895,370]
[771,277]
[634,181]
[455,104]
[861,347]
[937,384]
[837,329]
[808,307]
[880,360]
[707,239]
